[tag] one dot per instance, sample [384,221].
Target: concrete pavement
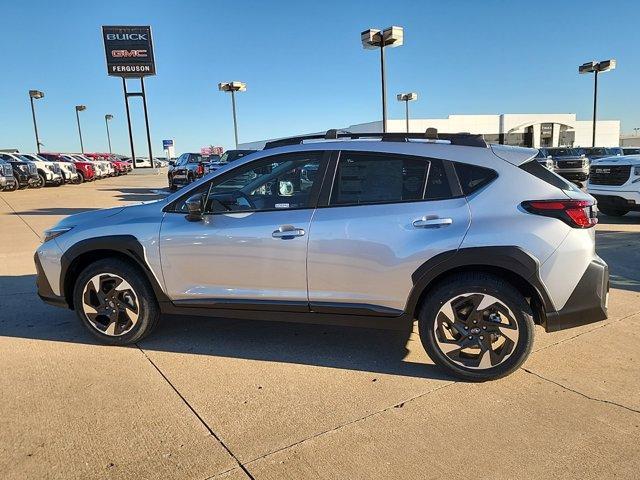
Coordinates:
[207,398]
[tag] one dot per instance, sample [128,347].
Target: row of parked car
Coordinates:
[611,175]
[189,167]
[31,170]
[574,163]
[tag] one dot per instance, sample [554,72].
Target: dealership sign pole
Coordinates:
[129,52]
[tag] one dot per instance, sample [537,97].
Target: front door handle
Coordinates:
[288,231]
[432,222]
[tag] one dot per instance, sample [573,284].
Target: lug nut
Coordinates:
[470,337]
[481,337]
[484,328]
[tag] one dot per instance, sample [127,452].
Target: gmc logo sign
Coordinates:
[603,170]
[128,53]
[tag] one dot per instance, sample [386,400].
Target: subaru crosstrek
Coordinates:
[477,242]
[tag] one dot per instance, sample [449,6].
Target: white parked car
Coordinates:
[50,173]
[615,182]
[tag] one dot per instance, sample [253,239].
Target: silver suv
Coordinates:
[476,242]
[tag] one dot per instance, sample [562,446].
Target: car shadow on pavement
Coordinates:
[142,194]
[621,251]
[350,348]
[55,211]
[632,218]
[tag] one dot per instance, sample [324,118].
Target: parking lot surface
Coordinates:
[214,398]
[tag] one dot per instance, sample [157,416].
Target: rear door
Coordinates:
[384,216]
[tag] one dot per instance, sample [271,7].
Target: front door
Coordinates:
[387,214]
[251,244]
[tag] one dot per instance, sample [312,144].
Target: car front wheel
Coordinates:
[476,326]
[115,301]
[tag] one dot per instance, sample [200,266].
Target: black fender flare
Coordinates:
[123,245]
[510,258]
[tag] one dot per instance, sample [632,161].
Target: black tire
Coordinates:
[80,179]
[147,305]
[42,181]
[612,211]
[13,187]
[172,186]
[456,287]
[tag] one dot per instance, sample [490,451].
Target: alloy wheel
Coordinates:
[476,331]
[110,304]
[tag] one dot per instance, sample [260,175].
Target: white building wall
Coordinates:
[607,131]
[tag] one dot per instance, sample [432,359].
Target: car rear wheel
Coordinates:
[476,326]
[115,302]
[612,212]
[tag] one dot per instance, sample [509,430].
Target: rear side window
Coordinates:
[473,177]
[369,178]
[536,169]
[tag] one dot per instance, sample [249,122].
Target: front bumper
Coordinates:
[587,303]
[45,292]
[573,174]
[7,182]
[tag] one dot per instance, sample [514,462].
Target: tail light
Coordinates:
[200,170]
[575,213]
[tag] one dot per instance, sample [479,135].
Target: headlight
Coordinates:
[636,170]
[54,232]
[585,162]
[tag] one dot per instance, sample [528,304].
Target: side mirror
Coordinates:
[195,207]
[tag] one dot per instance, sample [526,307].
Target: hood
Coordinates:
[618,160]
[89,216]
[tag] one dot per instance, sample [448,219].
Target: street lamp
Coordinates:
[636,130]
[595,68]
[233,87]
[35,94]
[372,39]
[80,108]
[108,117]
[406,98]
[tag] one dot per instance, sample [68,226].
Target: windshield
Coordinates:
[631,151]
[615,151]
[595,151]
[231,155]
[563,152]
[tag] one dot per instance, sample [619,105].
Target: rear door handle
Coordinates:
[430,222]
[288,231]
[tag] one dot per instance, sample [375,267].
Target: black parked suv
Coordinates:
[25,173]
[186,169]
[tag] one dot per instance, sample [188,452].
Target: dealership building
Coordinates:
[520,129]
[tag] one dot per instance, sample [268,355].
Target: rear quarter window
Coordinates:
[538,170]
[473,177]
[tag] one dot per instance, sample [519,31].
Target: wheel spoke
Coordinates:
[110,304]
[485,330]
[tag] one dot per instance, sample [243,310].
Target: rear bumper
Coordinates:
[587,303]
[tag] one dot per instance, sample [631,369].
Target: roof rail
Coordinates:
[466,139]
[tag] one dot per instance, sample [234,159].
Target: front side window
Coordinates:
[370,178]
[279,182]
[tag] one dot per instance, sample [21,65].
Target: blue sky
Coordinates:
[305,68]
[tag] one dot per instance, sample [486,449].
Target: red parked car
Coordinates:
[120,167]
[85,169]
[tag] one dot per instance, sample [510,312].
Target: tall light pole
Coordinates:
[108,117]
[406,98]
[636,130]
[233,87]
[372,39]
[80,108]
[595,68]
[35,94]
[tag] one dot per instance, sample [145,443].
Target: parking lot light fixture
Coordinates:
[35,95]
[595,68]
[406,98]
[374,38]
[108,117]
[233,87]
[80,108]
